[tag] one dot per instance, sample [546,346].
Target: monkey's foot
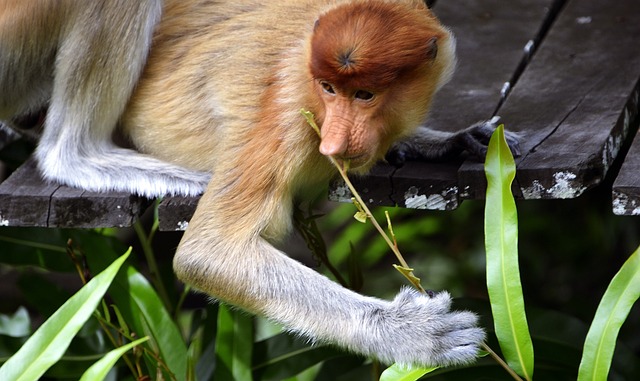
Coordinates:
[475,138]
[429,145]
[419,330]
[118,169]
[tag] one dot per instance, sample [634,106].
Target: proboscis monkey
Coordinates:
[219,95]
[81,60]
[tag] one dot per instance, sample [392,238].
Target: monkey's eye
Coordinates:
[363,95]
[327,87]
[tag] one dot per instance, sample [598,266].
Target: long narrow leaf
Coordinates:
[234,344]
[503,274]
[50,341]
[143,309]
[99,370]
[614,307]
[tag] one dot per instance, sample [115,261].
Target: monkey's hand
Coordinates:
[426,144]
[418,329]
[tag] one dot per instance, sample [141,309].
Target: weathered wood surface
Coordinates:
[572,106]
[491,38]
[27,200]
[174,213]
[572,103]
[626,188]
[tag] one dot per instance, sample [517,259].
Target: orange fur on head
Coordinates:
[371,44]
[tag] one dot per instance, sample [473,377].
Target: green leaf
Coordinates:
[100,369]
[234,344]
[614,307]
[141,308]
[407,272]
[401,373]
[360,217]
[49,342]
[503,274]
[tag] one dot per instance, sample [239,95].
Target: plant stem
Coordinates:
[375,223]
[156,279]
[500,361]
[343,172]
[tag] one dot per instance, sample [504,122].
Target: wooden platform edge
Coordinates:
[625,200]
[29,201]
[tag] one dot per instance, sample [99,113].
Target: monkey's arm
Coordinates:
[225,252]
[428,144]
[251,274]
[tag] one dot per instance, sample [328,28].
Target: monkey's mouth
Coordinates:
[357,162]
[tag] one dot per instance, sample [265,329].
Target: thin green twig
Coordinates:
[342,167]
[156,278]
[404,269]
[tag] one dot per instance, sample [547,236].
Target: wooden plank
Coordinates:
[27,200]
[24,198]
[626,188]
[491,36]
[440,192]
[71,207]
[174,213]
[574,101]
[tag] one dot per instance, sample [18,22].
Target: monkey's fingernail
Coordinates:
[431,293]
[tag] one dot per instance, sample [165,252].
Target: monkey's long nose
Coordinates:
[335,139]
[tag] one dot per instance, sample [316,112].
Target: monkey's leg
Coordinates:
[100,166]
[97,67]
[226,256]
[427,144]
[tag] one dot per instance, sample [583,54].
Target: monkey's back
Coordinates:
[209,67]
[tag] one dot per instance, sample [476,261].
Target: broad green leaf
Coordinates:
[234,344]
[401,373]
[49,342]
[614,307]
[503,273]
[142,308]
[100,369]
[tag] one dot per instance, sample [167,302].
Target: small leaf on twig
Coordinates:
[310,120]
[361,215]
[408,273]
[390,228]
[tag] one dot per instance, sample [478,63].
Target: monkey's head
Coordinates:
[375,67]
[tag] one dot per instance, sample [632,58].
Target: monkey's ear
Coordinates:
[432,48]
